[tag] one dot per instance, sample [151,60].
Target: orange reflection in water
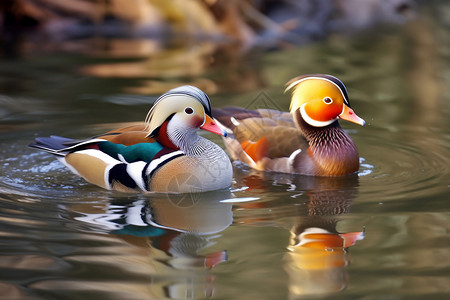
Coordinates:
[317,254]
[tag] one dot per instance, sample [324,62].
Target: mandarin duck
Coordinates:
[307,141]
[164,154]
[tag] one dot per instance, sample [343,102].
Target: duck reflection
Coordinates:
[175,230]
[317,256]
[317,253]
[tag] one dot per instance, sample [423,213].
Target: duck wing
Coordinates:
[123,159]
[128,136]
[260,133]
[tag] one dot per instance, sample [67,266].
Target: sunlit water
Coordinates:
[62,238]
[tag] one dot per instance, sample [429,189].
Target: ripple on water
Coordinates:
[395,168]
[37,175]
[392,167]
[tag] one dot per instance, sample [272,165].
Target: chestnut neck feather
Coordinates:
[163,137]
[332,149]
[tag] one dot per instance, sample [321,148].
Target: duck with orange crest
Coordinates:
[164,154]
[308,140]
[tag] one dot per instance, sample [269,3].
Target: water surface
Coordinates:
[387,228]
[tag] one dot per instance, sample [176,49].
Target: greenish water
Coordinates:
[62,238]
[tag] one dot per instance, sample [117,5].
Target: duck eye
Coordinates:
[327,100]
[188,110]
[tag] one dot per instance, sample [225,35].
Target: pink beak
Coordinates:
[211,126]
[349,115]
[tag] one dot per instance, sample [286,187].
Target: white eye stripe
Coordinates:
[327,100]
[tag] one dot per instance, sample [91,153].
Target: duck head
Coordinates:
[177,114]
[322,99]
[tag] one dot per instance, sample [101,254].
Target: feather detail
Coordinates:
[172,101]
[152,154]
[163,137]
[256,150]
[290,143]
[331,149]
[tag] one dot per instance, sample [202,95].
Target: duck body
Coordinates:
[307,141]
[164,154]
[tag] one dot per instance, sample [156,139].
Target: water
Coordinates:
[62,238]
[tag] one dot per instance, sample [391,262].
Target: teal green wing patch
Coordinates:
[139,152]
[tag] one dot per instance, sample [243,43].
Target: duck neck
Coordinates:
[163,137]
[330,146]
[185,140]
[177,138]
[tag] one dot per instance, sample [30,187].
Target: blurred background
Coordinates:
[77,68]
[214,44]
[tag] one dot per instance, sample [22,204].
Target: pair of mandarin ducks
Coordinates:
[165,153]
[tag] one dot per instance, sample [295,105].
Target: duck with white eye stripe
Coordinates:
[308,140]
[164,154]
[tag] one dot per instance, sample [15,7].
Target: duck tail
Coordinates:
[52,144]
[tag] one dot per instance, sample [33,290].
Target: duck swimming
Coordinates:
[164,154]
[308,140]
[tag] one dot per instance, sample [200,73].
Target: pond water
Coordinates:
[381,234]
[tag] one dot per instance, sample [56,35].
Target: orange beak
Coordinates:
[349,115]
[211,126]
